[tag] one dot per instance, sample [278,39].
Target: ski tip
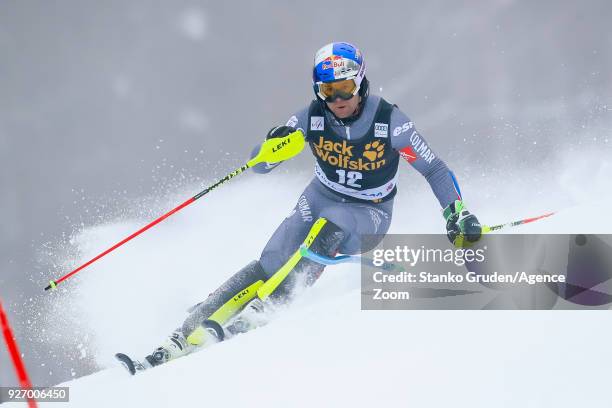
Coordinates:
[126,362]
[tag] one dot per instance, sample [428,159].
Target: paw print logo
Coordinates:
[374,150]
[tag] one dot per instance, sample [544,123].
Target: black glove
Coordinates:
[276,131]
[280,131]
[462,227]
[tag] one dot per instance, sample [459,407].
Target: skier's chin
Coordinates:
[342,111]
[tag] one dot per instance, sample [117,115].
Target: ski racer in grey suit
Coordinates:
[357,140]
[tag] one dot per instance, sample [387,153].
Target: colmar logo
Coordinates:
[421,147]
[305,210]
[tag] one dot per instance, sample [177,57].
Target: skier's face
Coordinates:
[344,109]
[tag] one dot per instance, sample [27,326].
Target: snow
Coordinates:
[323,350]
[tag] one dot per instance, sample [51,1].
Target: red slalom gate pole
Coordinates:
[11,344]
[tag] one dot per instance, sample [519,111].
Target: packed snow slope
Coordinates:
[323,350]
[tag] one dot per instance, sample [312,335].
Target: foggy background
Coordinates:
[104,103]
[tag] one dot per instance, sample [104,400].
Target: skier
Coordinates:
[357,140]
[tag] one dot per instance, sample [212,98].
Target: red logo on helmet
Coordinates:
[332,62]
[335,64]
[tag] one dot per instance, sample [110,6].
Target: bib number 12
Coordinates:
[350,178]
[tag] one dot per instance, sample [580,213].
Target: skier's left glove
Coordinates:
[462,227]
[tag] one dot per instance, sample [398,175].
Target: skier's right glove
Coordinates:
[462,227]
[280,131]
[277,131]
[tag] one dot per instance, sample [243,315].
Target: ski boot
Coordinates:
[251,317]
[175,346]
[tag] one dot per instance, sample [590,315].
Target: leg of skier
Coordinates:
[325,222]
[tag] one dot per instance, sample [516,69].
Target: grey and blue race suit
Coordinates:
[355,175]
[353,188]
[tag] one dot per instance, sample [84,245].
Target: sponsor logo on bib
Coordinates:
[381,130]
[341,155]
[317,123]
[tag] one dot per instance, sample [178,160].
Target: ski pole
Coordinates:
[13,349]
[271,151]
[486,228]
[325,260]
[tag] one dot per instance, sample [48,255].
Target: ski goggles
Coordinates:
[330,91]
